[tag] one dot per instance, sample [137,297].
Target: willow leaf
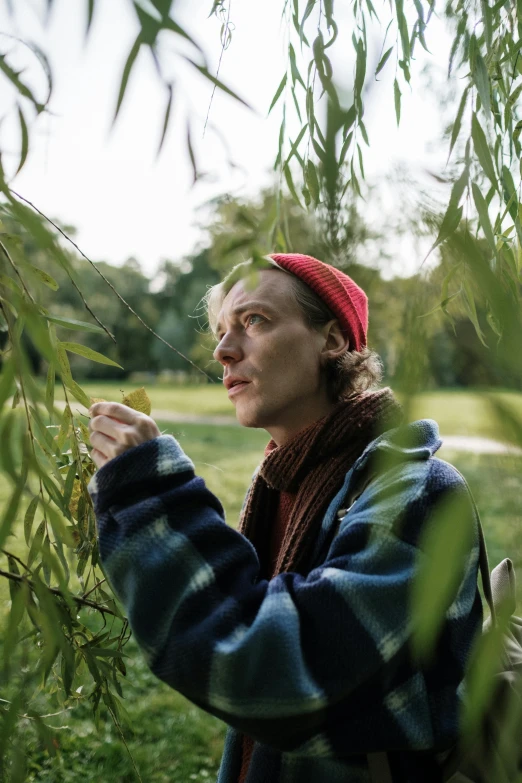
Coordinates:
[192,154]
[166,118]
[458,120]
[296,143]
[174,27]
[449,224]
[24,133]
[361,165]
[482,149]
[65,426]
[469,305]
[278,92]
[446,542]
[345,147]
[10,512]
[44,277]
[481,78]
[383,60]
[483,213]
[360,68]
[296,104]
[510,192]
[308,10]
[281,142]
[90,15]
[312,180]
[131,59]
[397,99]
[487,22]
[206,73]
[72,323]
[364,132]
[515,95]
[6,380]
[291,186]
[13,569]
[296,76]
[29,518]
[63,364]
[138,400]
[21,87]
[88,353]
[403,29]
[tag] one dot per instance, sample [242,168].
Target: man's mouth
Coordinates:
[236,387]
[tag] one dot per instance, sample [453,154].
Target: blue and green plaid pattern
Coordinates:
[318,668]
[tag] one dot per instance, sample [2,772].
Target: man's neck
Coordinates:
[284,432]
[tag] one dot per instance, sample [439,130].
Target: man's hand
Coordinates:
[115,428]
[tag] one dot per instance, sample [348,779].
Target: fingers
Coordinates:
[115,428]
[109,426]
[115,410]
[98,458]
[103,443]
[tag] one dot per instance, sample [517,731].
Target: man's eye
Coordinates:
[250,317]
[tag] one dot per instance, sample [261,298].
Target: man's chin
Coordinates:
[248,418]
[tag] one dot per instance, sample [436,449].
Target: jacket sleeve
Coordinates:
[271,658]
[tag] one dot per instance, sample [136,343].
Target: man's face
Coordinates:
[271,357]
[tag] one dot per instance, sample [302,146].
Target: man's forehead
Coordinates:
[266,285]
[270,289]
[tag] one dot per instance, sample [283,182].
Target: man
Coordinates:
[297,630]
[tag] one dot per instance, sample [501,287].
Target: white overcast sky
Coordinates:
[111,186]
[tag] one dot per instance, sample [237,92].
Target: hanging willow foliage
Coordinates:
[68,614]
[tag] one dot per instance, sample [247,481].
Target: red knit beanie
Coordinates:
[345,299]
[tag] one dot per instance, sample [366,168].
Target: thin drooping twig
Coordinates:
[17,273]
[75,286]
[49,715]
[55,591]
[78,290]
[122,737]
[107,282]
[94,588]
[14,557]
[223,47]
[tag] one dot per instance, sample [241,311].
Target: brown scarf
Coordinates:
[312,465]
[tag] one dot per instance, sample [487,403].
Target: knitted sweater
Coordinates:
[316,668]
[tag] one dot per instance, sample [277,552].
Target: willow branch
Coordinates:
[14,557]
[15,269]
[75,286]
[107,282]
[59,594]
[224,44]
[94,588]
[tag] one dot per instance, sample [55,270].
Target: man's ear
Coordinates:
[336,343]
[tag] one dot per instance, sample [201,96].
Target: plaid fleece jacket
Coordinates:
[317,667]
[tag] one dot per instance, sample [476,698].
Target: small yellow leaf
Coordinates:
[75,497]
[139,401]
[84,433]
[97,399]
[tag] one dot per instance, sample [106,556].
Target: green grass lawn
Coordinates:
[467,412]
[172,741]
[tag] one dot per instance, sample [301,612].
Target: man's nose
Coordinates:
[227,351]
